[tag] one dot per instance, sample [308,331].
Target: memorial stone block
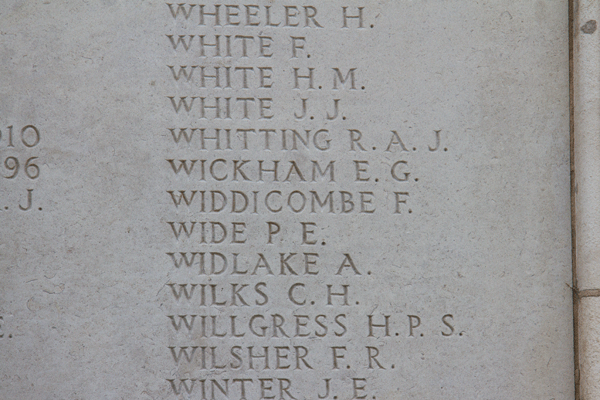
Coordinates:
[285,200]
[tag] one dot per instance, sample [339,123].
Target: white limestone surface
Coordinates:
[358,208]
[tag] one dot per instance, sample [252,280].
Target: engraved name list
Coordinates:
[274,165]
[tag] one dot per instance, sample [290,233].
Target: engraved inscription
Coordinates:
[266,148]
[20,167]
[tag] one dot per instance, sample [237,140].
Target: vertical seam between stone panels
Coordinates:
[571,16]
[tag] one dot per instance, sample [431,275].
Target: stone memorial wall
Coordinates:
[285,200]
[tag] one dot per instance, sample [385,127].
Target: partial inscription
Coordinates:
[329,200]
